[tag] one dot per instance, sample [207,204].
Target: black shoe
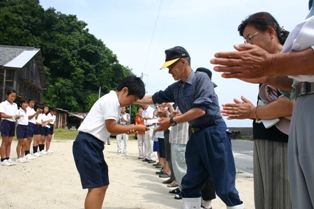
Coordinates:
[175,191]
[164,175]
[178,196]
[169,181]
[158,166]
[145,160]
[155,164]
[159,172]
[151,161]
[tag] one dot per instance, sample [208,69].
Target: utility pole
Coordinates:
[99,91]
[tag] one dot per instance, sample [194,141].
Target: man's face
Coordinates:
[123,110]
[145,106]
[176,69]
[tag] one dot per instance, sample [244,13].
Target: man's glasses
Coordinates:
[248,39]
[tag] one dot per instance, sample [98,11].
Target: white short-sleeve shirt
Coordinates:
[31,111]
[23,119]
[9,109]
[39,118]
[149,113]
[105,108]
[45,117]
[53,117]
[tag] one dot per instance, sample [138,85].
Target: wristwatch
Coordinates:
[172,122]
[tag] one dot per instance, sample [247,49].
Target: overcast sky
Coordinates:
[139,31]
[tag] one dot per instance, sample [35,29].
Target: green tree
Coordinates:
[76,63]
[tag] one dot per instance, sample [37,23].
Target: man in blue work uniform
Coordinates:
[208,151]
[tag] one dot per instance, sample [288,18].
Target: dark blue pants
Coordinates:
[209,153]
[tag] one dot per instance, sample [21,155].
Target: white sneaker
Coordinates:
[10,161]
[37,154]
[30,157]
[43,152]
[6,163]
[49,151]
[21,160]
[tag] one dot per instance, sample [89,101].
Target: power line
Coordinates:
[151,40]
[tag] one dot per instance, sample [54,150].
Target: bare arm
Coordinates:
[244,109]
[148,99]
[251,61]
[192,114]
[280,82]
[115,128]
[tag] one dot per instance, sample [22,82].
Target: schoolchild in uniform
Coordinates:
[8,111]
[22,132]
[32,114]
[51,129]
[37,131]
[45,120]
[96,127]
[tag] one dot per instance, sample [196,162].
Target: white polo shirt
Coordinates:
[53,117]
[39,118]
[31,111]
[45,117]
[9,109]
[149,113]
[105,108]
[23,120]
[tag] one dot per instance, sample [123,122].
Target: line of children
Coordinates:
[28,123]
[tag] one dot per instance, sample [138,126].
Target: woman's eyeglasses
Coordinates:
[249,38]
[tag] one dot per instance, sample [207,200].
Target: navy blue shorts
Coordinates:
[44,131]
[156,147]
[50,130]
[162,149]
[22,131]
[33,129]
[7,128]
[36,130]
[89,160]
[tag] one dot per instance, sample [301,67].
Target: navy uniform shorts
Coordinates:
[22,131]
[89,160]
[7,128]
[33,129]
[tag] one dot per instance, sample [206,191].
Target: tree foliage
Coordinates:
[76,63]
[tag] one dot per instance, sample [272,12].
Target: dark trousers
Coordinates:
[209,154]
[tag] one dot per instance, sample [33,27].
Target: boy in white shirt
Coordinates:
[99,123]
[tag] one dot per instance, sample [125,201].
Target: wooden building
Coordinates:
[22,69]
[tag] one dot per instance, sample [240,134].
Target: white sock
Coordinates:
[207,204]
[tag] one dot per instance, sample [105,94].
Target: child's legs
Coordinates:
[19,148]
[140,141]
[36,140]
[95,197]
[42,139]
[6,146]
[28,143]
[118,137]
[125,139]
[48,141]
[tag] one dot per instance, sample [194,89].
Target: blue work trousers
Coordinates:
[209,153]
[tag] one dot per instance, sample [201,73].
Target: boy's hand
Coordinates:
[141,128]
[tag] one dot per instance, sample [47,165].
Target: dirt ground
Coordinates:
[52,181]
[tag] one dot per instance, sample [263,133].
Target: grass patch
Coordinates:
[61,133]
